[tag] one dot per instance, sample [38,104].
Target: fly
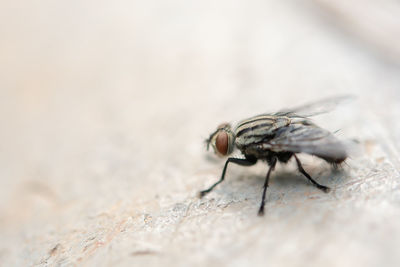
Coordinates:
[277,137]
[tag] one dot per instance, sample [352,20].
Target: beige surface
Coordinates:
[104,108]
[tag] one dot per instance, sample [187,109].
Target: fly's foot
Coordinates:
[203,193]
[261,212]
[325,189]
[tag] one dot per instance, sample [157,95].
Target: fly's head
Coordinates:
[222,140]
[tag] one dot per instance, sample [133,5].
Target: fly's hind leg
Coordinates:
[248,161]
[321,187]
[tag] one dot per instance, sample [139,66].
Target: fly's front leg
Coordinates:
[319,186]
[243,162]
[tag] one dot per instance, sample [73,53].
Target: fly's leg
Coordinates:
[271,168]
[321,187]
[242,162]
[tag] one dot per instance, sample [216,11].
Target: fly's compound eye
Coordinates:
[221,143]
[222,140]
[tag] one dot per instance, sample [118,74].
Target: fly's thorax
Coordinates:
[258,128]
[222,140]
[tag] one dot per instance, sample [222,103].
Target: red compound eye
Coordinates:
[221,143]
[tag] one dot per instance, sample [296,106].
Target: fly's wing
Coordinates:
[316,108]
[305,137]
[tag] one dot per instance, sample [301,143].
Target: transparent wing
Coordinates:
[307,138]
[315,108]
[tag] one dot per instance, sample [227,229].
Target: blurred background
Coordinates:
[104,108]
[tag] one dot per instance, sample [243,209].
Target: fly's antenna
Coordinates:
[207,142]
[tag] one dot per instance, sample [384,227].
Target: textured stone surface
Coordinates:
[105,106]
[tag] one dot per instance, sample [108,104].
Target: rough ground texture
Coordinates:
[104,108]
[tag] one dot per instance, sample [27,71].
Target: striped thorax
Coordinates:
[257,128]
